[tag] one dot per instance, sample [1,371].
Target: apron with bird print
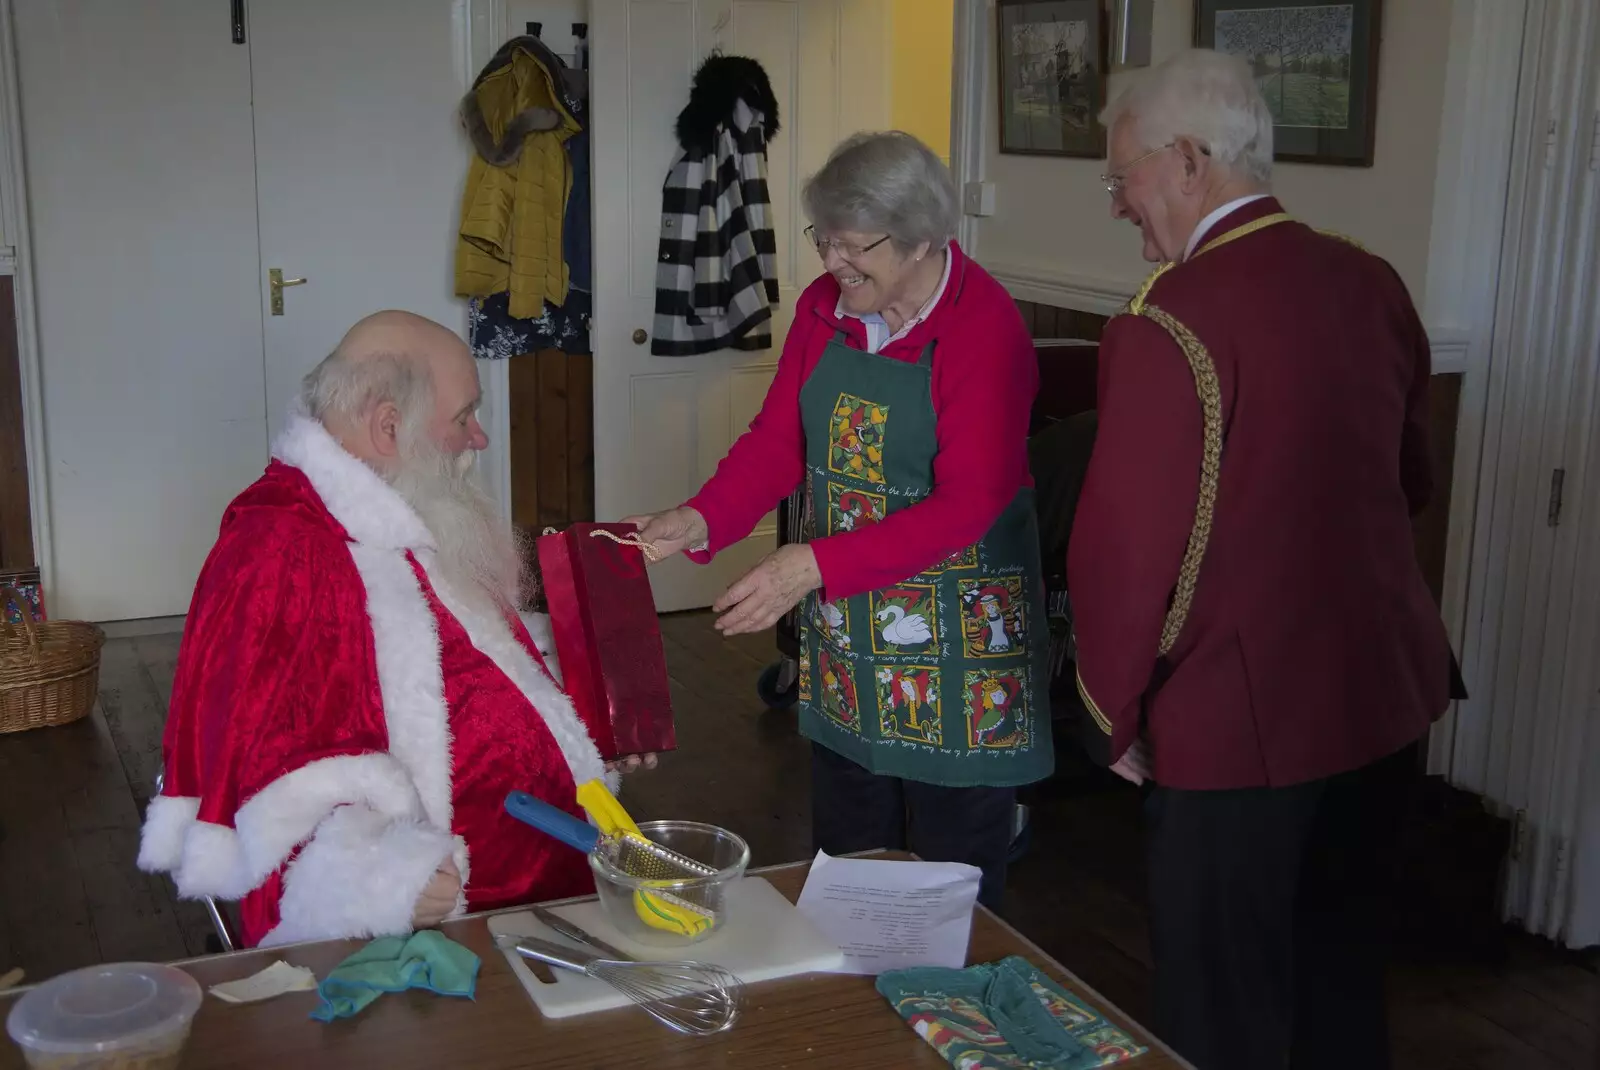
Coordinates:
[942,678]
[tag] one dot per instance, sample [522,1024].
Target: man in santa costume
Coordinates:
[355,694]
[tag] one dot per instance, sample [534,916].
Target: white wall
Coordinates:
[1052,217]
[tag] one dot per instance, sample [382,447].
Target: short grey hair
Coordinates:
[885,182]
[342,388]
[1205,95]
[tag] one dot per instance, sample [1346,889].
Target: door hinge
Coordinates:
[1594,144]
[1557,478]
[1550,144]
[238,21]
[1519,834]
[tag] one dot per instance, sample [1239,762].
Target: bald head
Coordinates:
[395,371]
[405,334]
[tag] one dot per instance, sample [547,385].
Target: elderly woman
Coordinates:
[901,401]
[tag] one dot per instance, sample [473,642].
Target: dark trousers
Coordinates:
[1269,911]
[854,810]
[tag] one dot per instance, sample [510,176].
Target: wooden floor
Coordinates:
[71,800]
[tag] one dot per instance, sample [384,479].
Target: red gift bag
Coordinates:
[608,640]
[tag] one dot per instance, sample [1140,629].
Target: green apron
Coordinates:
[943,678]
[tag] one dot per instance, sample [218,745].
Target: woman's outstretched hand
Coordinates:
[672,531]
[769,590]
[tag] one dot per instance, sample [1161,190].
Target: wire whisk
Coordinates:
[695,998]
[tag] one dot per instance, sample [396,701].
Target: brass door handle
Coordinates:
[640,337]
[275,284]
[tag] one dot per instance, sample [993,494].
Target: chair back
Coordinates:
[1068,375]
[227,933]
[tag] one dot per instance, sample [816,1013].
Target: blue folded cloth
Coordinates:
[1004,1015]
[427,960]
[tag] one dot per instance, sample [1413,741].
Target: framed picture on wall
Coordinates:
[1052,77]
[1316,62]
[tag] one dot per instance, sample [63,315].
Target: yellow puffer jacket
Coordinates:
[511,215]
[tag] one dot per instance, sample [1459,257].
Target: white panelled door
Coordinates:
[360,164]
[142,203]
[663,423]
[170,169]
[1558,887]
[1527,737]
[1579,788]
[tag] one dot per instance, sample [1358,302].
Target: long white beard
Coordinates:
[478,556]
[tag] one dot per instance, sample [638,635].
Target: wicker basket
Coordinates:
[49,671]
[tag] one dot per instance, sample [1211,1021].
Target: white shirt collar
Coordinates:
[878,334]
[1216,214]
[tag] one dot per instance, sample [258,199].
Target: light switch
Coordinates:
[978,199]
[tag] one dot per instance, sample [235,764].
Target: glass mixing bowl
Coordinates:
[713,846]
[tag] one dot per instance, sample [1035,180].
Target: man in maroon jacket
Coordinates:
[1254,634]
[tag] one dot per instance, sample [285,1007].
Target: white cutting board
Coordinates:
[763,938]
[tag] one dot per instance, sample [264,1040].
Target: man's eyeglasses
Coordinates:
[846,250]
[1116,181]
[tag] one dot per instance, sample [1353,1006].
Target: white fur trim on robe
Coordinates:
[358,878]
[167,821]
[404,632]
[405,794]
[370,510]
[405,641]
[543,635]
[493,637]
[377,518]
[210,859]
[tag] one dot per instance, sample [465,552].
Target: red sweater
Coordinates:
[984,380]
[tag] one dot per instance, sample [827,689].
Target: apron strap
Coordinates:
[840,338]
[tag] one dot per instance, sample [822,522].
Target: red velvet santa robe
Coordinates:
[341,724]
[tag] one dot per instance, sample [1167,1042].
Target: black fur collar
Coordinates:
[720,81]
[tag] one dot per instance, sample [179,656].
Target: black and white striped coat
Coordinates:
[716,271]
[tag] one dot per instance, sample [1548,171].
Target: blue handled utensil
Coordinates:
[552,821]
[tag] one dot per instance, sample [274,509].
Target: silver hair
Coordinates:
[885,182]
[1205,95]
[340,388]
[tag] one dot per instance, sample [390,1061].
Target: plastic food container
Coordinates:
[716,847]
[120,1016]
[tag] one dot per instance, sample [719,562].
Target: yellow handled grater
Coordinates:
[630,851]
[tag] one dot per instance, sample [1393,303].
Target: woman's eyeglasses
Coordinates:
[846,250]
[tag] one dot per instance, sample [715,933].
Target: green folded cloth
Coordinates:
[1004,1015]
[427,960]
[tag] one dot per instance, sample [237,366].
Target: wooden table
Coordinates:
[815,1020]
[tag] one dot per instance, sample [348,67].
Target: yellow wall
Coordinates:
[919,90]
